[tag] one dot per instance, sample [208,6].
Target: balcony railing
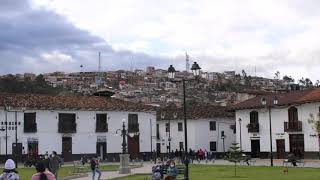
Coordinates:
[253,127]
[293,126]
[102,128]
[30,127]
[67,128]
[133,128]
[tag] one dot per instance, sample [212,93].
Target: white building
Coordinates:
[74,125]
[291,130]
[210,128]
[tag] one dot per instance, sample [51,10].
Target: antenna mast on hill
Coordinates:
[99,67]
[187,62]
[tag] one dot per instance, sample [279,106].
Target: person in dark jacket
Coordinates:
[94,164]
[55,163]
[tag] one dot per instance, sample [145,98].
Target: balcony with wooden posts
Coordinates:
[293,126]
[253,127]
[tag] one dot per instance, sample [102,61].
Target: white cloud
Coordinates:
[57,58]
[230,34]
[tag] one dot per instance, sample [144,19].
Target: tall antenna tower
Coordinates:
[99,67]
[187,62]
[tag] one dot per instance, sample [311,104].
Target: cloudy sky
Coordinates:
[60,35]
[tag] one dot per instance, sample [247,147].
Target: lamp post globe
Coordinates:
[195,69]
[171,72]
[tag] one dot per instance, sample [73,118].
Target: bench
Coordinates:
[299,162]
[250,161]
[78,167]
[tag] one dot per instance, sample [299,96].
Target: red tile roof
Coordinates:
[54,102]
[194,112]
[284,99]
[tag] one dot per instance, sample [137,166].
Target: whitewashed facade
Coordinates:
[290,133]
[204,131]
[84,140]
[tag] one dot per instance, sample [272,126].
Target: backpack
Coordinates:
[93,164]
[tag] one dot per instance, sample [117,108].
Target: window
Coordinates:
[213,146]
[181,146]
[67,123]
[293,114]
[30,125]
[212,126]
[180,128]
[167,127]
[133,125]
[158,132]
[254,117]
[101,123]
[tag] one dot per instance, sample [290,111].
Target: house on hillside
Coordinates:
[291,131]
[210,128]
[73,126]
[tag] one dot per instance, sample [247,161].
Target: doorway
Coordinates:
[255,148]
[134,146]
[297,144]
[67,149]
[102,150]
[158,149]
[280,148]
[17,150]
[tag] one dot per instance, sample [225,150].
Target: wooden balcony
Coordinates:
[67,128]
[30,128]
[133,128]
[253,127]
[293,126]
[102,128]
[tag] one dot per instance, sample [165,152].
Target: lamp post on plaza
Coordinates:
[264,103]
[240,120]
[124,157]
[171,74]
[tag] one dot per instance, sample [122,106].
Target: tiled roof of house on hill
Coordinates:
[284,99]
[194,112]
[54,102]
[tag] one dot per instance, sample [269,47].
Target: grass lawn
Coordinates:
[205,172]
[26,173]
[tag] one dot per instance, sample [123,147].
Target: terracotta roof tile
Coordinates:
[194,112]
[53,102]
[284,99]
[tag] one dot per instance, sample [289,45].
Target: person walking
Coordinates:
[94,164]
[46,162]
[42,174]
[9,172]
[55,163]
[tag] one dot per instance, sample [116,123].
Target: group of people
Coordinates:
[47,169]
[169,168]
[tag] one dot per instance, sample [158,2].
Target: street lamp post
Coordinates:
[124,157]
[240,133]
[264,103]
[171,74]
[223,137]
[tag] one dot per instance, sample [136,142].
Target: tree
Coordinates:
[288,79]
[234,155]
[244,74]
[317,83]
[315,122]
[308,82]
[277,75]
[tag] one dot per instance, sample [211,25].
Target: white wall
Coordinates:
[279,115]
[199,134]
[84,140]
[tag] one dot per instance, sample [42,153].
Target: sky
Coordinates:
[260,37]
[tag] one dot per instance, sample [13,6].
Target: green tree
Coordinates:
[234,155]
[315,122]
